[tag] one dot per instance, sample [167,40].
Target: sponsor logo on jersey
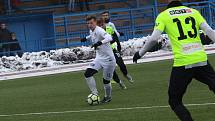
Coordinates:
[191,48]
[180,11]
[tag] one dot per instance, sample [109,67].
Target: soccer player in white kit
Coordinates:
[117,52]
[104,58]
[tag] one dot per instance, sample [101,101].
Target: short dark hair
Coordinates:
[104,12]
[88,18]
[100,21]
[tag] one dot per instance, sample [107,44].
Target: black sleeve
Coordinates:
[115,37]
[83,39]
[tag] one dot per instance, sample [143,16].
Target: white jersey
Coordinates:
[103,52]
[114,28]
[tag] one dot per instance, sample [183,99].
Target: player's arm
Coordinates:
[159,28]
[208,31]
[115,30]
[85,38]
[116,39]
[107,38]
[148,45]
[204,26]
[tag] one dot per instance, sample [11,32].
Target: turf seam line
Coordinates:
[98,110]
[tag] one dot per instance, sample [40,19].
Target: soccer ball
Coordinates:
[93,99]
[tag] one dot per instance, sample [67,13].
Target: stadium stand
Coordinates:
[47,24]
[61,6]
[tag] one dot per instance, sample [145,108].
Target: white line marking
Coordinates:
[98,110]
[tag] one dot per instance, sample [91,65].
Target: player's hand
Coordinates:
[121,34]
[83,39]
[136,57]
[95,46]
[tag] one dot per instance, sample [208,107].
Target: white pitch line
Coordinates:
[98,110]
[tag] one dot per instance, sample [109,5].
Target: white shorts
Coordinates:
[108,67]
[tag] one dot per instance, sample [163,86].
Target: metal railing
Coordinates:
[135,22]
[132,22]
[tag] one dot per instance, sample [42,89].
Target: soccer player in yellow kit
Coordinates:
[182,24]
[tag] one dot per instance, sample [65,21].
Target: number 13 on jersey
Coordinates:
[189,21]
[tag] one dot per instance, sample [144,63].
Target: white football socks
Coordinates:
[108,90]
[92,85]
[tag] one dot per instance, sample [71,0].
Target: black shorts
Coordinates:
[181,78]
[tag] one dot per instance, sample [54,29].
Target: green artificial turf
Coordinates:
[67,92]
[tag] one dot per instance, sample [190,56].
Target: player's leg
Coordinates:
[91,70]
[179,80]
[116,77]
[108,70]
[118,81]
[122,66]
[108,91]
[121,63]
[206,75]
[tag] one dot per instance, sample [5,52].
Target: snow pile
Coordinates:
[133,45]
[43,59]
